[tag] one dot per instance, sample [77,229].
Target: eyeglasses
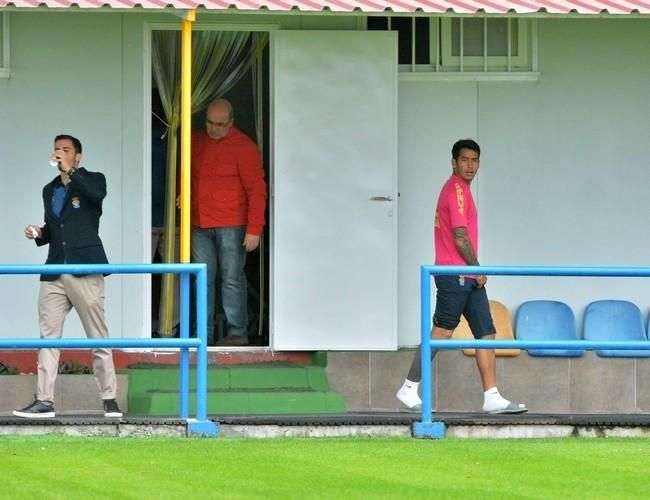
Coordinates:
[210,123]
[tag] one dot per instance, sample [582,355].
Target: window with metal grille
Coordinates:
[4,45]
[462,44]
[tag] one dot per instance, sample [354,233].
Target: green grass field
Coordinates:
[99,467]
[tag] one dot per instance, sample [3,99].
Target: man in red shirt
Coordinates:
[456,243]
[227,213]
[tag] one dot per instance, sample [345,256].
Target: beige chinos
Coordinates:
[56,298]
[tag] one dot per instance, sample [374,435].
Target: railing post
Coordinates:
[425,347]
[202,353]
[426,428]
[202,426]
[184,333]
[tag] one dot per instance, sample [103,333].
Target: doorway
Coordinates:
[250,99]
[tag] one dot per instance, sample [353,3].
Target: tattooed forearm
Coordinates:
[464,246]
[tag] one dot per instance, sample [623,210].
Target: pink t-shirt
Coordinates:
[455,208]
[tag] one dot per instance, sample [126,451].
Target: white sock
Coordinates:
[492,400]
[410,385]
[408,394]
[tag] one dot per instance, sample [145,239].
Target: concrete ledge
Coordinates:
[278,431]
[319,431]
[112,430]
[461,425]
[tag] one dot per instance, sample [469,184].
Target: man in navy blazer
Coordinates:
[73,206]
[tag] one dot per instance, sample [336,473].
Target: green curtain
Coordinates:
[258,106]
[219,60]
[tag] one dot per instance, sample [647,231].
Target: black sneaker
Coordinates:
[111,410]
[37,409]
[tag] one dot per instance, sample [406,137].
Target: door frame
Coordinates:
[148,28]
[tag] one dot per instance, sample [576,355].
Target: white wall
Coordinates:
[564,168]
[429,114]
[69,77]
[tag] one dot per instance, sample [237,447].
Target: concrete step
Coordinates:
[257,389]
[255,376]
[241,402]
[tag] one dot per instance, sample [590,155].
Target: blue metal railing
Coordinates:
[427,427]
[199,425]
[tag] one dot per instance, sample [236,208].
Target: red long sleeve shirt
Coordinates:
[228,187]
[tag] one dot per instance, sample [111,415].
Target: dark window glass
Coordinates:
[377,23]
[422,41]
[404,27]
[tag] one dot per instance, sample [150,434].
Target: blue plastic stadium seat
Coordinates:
[547,320]
[615,320]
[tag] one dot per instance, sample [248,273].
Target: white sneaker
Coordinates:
[409,398]
[506,408]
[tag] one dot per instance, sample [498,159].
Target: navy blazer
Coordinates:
[74,236]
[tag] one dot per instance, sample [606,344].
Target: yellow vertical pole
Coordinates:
[186,131]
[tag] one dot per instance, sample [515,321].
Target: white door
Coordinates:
[334,191]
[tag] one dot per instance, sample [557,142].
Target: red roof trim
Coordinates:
[369,6]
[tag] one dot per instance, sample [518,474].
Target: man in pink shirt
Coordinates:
[456,244]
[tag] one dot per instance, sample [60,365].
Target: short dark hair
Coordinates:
[464,144]
[75,142]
